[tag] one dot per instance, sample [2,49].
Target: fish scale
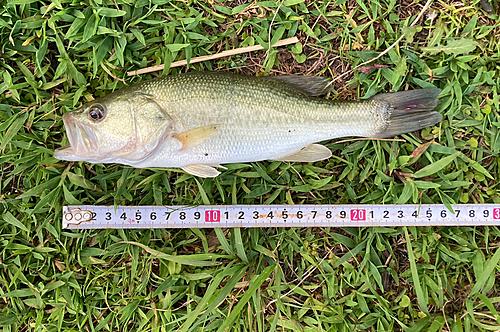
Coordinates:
[203,119]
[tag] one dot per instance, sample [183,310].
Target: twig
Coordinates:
[223,54]
[304,277]
[270,28]
[426,6]
[111,74]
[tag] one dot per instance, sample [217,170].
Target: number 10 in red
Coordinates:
[212,216]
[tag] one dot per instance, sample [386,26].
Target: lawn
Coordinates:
[54,56]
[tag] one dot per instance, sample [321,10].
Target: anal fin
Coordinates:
[311,153]
[203,171]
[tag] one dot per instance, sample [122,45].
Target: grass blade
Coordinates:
[488,271]
[422,300]
[223,241]
[436,166]
[224,292]
[238,243]
[202,304]
[254,285]
[13,130]
[9,218]
[185,259]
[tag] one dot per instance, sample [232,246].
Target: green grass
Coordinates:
[56,55]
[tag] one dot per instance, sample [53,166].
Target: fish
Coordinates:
[199,121]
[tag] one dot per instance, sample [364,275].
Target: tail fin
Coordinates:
[409,111]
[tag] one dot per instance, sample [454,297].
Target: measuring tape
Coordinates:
[227,216]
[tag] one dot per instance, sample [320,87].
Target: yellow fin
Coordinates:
[194,136]
[203,171]
[311,153]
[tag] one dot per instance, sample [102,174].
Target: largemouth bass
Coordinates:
[199,121]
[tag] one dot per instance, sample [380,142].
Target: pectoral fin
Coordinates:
[311,153]
[194,136]
[203,171]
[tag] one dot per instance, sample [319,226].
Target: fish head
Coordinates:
[116,128]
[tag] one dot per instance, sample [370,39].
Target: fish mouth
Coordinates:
[82,140]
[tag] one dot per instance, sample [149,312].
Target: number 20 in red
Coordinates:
[358,215]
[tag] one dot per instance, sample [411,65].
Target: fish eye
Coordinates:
[96,112]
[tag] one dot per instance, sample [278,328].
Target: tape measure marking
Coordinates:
[227,216]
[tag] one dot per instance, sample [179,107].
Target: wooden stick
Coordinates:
[223,54]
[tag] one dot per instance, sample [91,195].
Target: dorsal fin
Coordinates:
[311,86]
